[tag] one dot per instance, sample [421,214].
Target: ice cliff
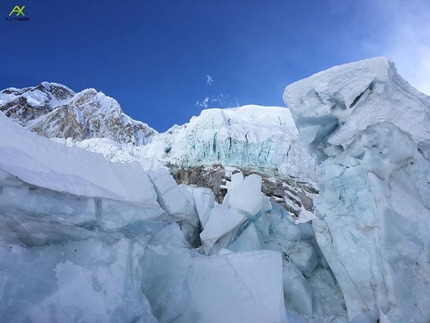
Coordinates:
[258,137]
[370,131]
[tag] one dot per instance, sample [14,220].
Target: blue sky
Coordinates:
[153,56]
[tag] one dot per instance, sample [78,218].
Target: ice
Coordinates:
[204,201]
[297,292]
[67,258]
[304,256]
[249,240]
[81,246]
[221,222]
[246,196]
[174,201]
[72,280]
[257,137]
[374,315]
[347,99]
[306,274]
[254,278]
[373,211]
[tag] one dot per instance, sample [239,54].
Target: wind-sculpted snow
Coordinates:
[370,130]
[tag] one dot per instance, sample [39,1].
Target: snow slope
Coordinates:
[370,130]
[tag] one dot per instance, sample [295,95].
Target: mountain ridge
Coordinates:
[55,111]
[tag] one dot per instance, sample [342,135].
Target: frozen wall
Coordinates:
[369,129]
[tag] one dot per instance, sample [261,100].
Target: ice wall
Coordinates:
[369,129]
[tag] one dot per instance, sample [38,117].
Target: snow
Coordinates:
[50,165]
[369,130]
[36,97]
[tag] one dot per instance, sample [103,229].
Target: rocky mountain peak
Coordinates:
[55,111]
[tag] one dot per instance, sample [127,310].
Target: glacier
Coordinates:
[214,221]
[85,239]
[370,132]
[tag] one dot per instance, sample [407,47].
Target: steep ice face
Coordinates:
[54,111]
[252,136]
[370,131]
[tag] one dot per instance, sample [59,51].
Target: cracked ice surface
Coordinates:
[370,131]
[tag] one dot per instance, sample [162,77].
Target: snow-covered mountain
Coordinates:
[54,111]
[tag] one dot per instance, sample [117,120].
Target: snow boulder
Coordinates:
[369,130]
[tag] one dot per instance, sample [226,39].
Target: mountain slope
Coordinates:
[54,111]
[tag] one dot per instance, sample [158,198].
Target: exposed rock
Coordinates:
[292,196]
[54,111]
